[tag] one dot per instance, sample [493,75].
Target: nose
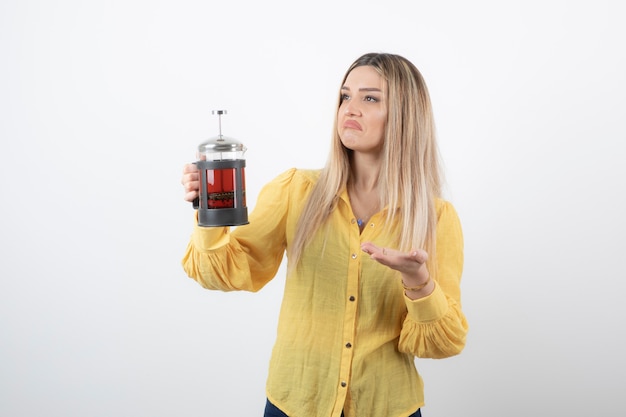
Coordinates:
[350,109]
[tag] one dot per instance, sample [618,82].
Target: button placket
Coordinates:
[349,324]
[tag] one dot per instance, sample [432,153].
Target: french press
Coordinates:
[221,167]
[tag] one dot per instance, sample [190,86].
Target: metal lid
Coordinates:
[220,143]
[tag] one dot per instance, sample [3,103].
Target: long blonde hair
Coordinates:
[410,177]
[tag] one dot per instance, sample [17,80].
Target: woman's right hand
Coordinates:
[191,182]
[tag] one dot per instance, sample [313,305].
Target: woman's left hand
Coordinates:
[412,265]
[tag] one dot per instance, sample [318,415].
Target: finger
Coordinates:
[190,196]
[419,256]
[189,168]
[383,255]
[370,248]
[186,178]
[191,186]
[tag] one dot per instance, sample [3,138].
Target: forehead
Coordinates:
[364,77]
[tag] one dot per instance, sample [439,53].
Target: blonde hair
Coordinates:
[410,177]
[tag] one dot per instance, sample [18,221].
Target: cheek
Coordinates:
[382,122]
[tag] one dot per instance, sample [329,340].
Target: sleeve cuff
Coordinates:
[210,238]
[428,309]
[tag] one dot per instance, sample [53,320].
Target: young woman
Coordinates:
[375,255]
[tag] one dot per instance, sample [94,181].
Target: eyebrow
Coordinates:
[364,89]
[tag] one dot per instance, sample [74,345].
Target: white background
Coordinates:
[102,102]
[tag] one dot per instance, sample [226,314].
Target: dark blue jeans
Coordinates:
[272,411]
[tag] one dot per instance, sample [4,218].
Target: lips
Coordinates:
[351,124]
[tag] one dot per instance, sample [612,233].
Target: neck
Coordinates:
[364,175]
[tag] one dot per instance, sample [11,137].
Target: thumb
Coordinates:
[419,256]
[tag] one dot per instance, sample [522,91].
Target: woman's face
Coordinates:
[362,114]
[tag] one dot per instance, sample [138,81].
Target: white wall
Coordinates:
[102,102]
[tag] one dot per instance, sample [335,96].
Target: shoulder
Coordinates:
[443,206]
[297,177]
[293,183]
[447,217]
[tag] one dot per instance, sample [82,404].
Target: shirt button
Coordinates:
[344,383]
[348,345]
[352,298]
[354,256]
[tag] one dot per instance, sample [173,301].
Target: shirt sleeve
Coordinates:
[435,326]
[249,257]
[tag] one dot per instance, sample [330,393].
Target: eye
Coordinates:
[371,99]
[344,97]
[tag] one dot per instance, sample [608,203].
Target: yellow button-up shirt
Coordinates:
[347,335]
